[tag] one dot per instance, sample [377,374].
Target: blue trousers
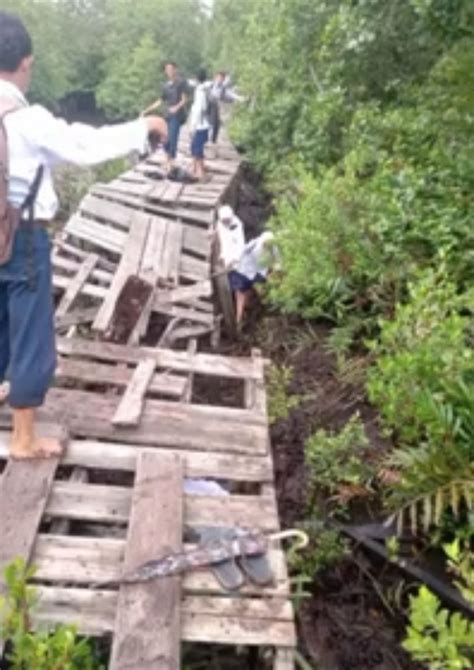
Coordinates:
[174,127]
[27,346]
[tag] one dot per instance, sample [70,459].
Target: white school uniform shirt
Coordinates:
[198,115]
[256,257]
[36,137]
[231,242]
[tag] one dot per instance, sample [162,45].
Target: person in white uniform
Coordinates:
[35,142]
[257,259]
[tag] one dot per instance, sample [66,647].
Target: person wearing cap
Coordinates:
[256,261]
[230,235]
[37,141]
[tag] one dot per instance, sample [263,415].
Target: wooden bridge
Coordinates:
[142,423]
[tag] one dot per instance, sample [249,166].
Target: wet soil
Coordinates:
[352,620]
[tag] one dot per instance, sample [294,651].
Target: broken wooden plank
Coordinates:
[129,265]
[148,622]
[130,408]
[76,284]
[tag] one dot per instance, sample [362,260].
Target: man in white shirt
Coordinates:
[37,141]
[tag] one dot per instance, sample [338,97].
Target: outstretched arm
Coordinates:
[80,144]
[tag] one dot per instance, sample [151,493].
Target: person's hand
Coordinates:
[157,125]
[173,110]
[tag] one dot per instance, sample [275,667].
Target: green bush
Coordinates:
[337,462]
[419,354]
[280,401]
[440,639]
[57,650]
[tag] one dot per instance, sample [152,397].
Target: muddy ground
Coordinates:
[353,616]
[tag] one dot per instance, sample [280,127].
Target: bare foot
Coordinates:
[42,447]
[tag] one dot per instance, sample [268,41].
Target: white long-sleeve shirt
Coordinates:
[36,137]
[198,115]
[231,242]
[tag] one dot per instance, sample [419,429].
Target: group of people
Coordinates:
[246,263]
[204,116]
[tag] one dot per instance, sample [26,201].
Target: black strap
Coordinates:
[29,206]
[29,202]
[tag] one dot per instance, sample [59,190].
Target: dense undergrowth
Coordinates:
[360,116]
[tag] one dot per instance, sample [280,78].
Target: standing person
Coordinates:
[199,124]
[175,98]
[217,94]
[32,142]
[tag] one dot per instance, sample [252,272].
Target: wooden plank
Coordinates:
[193,268]
[130,407]
[171,253]
[81,254]
[100,235]
[76,284]
[234,367]
[93,612]
[284,659]
[24,491]
[105,210]
[196,241]
[76,317]
[202,289]
[150,266]
[184,314]
[129,265]
[90,290]
[172,193]
[85,560]
[200,427]
[123,457]
[130,188]
[111,504]
[148,622]
[162,383]
[200,218]
[71,266]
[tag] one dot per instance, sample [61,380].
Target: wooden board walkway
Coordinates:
[144,225]
[145,422]
[110,525]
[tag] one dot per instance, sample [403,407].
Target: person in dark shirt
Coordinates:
[174,98]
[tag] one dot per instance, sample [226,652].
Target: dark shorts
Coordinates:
[198,143]
[239,282]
